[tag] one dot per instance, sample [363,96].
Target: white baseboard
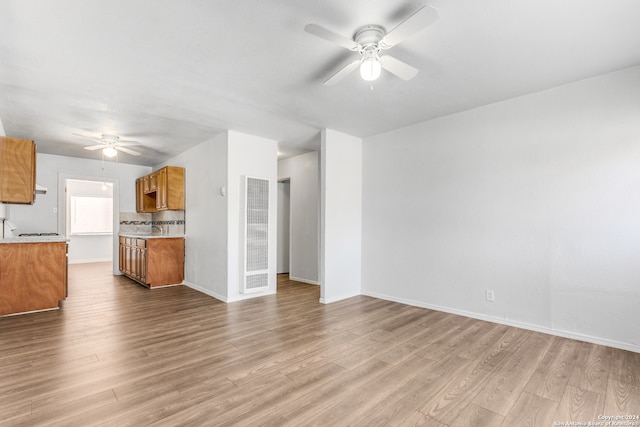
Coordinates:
[338,298]
[299,279]
[222,298]
[243,297]
[90,260]
[205,291]
[516,324]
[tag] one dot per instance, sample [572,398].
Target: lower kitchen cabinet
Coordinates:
[33,276]
[152,261]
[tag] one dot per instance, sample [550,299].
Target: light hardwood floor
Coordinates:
[118,354]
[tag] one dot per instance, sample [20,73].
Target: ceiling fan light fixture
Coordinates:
[370,67]
[109,151]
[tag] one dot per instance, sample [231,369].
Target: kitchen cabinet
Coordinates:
[152,261]
[145,184]
[139,195]
[33,276]
[161,190]
[152,184]
[17,170]
[145,203]
[149,183]
[162,193]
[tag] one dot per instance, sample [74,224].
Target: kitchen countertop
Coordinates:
[150,236]
[34,239]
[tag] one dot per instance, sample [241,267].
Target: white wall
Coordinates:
[205,215]
[303,171]
[213,238]
[341,216]
[536,198]
[87,248]
[256,157]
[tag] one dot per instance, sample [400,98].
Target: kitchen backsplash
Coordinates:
[172,222]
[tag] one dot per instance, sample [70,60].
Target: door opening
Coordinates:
[89,221]
[284,225]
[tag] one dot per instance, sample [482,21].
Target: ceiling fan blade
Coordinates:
[128,143]
[126,150]
[83,136]
[397,67]
[89,137]
[342,73]
[414,23]
[329,35]
[94,147]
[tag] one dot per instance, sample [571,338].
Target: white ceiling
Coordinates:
[172,73]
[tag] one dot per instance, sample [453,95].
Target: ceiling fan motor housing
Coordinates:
[369,35]
[110,138]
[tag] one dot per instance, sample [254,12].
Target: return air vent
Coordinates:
[256,235]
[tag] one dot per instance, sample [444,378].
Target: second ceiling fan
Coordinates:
[111,144]
[370,40]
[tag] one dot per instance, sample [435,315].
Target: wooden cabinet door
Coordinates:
[153,183]
[174,196]
[143,265]
[145,184]
[121,256]
[139,195]
[17,170]
[145,200]
[139,249]
[161,189]
[128,257]
[165,261]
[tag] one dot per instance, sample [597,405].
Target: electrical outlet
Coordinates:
[490,296]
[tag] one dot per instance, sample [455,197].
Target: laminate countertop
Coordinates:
[152,236]
[34,239]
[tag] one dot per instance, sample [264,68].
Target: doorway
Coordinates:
[88,217]
[284,225]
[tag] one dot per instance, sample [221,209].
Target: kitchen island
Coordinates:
[152,260]
[33,273]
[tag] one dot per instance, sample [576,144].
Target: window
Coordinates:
[91,215]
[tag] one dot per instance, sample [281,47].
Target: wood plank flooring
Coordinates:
[118,354]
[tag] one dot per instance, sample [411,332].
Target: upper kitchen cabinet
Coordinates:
[144,202]
[161,190]
[17,170]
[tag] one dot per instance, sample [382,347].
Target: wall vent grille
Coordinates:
[256,226]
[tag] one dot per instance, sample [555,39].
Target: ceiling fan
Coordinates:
[111,144]
[370,40]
